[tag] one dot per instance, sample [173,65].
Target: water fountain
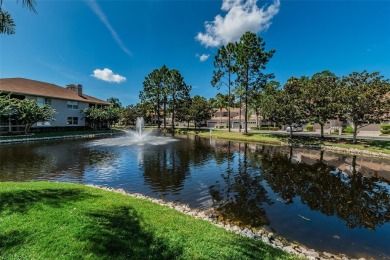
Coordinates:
[138,136]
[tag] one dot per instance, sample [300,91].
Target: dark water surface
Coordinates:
[326,201]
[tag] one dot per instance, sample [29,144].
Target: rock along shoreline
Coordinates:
[253,233]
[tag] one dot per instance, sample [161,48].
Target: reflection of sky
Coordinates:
[121,163]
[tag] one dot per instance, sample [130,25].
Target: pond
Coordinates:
[326,201]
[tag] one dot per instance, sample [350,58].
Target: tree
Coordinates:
[28,112]
[153,91]
[7,24]
[251,59]
[320,98]
[129,115]
[200,110]
[183,110]
[220,102]
[365,99]
[287,109]
[177,89]
[115,102]
[224,62]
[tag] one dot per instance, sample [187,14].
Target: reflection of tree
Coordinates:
[167,167]
[241,197]
[49,160]
[361,202]
[166,170]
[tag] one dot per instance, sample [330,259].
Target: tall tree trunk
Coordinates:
[173,113]
[220,117]
[322,130]
[165,113]
[230,103]
[239,124]
[291,131]
[355,133]
[158,113]
[246,101]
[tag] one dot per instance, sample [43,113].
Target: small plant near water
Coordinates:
[385,129]
[309,128]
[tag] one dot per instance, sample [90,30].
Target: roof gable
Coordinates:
[43,89]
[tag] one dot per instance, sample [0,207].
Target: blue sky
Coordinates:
[68,42]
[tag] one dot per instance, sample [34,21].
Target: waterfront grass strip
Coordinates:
[43,220]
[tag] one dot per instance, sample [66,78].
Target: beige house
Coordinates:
[68,102]
[221,119]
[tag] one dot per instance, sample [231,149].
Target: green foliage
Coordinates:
[251,59]
[200,110]
[7,24]
[287,108]
[224,62]
[115,102]
[320,97]
[364,98]
[348,129]
[309,128]
[164,88]
[28,112]
[102,117]
[385,129]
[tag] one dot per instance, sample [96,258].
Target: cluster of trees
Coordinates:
[359,98]
[165,90]
[24,111]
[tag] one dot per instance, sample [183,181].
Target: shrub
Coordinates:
[310,128]
[385,129]
[348,129]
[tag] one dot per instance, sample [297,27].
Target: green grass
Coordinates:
[366,145]
[43,220]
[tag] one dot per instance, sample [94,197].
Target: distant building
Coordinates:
[68,102]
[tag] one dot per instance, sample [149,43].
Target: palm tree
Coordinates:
[7,24]
[220,101]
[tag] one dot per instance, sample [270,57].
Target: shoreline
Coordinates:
[262,234]
[307,146]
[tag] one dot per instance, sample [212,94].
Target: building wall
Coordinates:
[62,112]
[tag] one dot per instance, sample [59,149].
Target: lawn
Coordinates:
[378,146]
[43,220]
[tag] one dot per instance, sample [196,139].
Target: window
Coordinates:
[72,120]
[43,101]
[45,123]
[72,104]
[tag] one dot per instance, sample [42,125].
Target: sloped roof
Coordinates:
[43,89]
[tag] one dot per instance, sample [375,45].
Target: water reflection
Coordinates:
[305,195]
[359,201]
[240,198]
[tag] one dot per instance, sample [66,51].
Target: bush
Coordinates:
[310,128]
[385,129]
[348,130]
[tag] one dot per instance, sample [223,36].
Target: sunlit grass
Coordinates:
[42,220]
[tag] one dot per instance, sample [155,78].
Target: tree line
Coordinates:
[361,98]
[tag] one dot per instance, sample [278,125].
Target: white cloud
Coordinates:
[241,16]
[103,18]
[108,75]
[202,57]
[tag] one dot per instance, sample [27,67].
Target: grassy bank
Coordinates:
[266,138]
[42,220]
